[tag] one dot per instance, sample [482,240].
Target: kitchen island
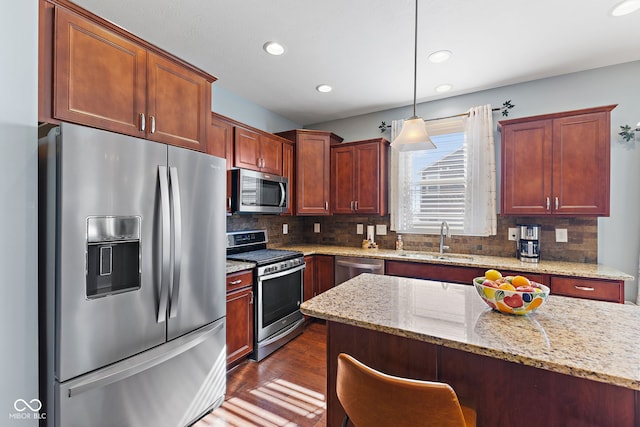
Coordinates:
[573,362]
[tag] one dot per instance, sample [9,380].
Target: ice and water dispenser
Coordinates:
[529,242]
[113,255]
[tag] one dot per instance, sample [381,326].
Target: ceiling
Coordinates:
[364,48]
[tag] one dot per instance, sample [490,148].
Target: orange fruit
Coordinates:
[492,275]
[520,281]
[507,287]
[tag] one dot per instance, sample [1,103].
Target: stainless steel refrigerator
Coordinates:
[132,295]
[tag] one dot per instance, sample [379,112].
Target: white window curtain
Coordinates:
[456,182]
[480,203]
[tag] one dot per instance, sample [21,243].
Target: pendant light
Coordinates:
[413,135]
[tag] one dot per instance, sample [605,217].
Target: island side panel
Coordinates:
[391,354]
[506,394]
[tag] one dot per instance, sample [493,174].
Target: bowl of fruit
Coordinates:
[510,294]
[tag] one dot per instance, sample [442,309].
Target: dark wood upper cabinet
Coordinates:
[359,173]
[557,164]
[288,171]
[105,77]
[312,170]
[257,151]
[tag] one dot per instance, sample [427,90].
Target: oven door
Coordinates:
[279,299]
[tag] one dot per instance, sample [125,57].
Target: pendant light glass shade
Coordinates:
[413,135]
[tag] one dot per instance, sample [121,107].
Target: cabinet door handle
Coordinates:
[326,206]
[356,205]
[235,282]
[251,298]
[584,288]
[548,203]
[556,203]
[143,122]
[352,205]
[153,124]
[229,202]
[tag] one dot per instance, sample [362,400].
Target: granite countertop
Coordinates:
[235,266]
[596,271]
[582,338]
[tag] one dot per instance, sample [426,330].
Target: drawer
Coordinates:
[597,289]
[239,280]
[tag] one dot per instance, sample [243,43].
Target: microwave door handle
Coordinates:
[177,229]
[165,243]
[283,194]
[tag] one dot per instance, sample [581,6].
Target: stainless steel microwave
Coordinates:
[257,192]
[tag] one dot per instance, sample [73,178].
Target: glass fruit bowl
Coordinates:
[512,295]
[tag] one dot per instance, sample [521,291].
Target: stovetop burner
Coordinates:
[265,256]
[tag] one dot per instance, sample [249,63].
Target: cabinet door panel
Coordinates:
[367,178]
[309,278]
[526,159]
[313,175]
[581,164]
[247,149]
[325,273]
[177,104]
[343,170]
[239,324]
[220,140]
[271,155]
[100,78]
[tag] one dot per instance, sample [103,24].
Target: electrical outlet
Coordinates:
[359,229]
[513,233]
[285,228]
[561,235]
[381,229]
[316,227]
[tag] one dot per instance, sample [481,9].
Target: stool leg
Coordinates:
[345,421]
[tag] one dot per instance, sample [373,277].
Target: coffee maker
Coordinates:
[529,242]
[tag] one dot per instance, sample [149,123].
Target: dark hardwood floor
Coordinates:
[287,388]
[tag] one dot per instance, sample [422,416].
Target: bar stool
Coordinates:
[371,398]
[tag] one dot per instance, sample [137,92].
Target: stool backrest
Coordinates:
[371,398]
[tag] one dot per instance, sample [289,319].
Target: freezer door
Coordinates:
[197,285]
[103,177]
[171,385]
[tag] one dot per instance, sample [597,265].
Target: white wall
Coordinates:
[619,234]
[18,225]
[233,106]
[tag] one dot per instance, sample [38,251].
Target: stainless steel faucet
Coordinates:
[444,225]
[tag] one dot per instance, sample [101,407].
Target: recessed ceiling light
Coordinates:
[273,48]
[625,8]
[444,88]
[440,56]
[324,88]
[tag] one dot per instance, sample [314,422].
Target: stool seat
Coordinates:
[372,399]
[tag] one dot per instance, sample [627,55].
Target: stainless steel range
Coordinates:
[278,286]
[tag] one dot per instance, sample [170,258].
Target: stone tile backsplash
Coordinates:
[341,230]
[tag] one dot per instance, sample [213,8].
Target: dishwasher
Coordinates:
[347,267]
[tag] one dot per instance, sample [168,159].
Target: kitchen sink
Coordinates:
[431,256]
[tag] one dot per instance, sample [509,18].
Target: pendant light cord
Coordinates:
[415,61]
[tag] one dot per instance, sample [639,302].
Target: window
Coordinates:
[432,186]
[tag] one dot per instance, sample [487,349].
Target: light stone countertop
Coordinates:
[596,340]
[596,271]
[234,266]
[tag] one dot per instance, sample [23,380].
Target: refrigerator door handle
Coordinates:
[166,243]
[143,361]
[177,242]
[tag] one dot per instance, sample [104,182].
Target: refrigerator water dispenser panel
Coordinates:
[113,255]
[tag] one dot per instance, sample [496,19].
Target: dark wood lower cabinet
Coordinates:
[239,316]
[503,393]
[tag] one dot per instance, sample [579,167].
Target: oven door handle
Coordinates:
[282,273]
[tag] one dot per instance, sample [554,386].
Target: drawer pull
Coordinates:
[584,288]
[236,282]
